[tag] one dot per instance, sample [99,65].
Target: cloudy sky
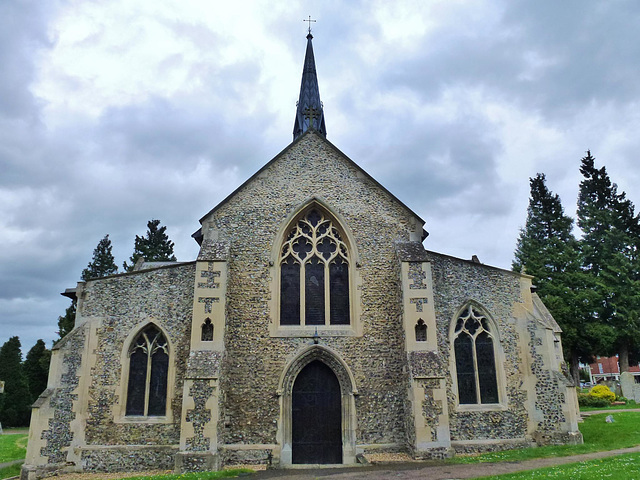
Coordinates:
[114,113]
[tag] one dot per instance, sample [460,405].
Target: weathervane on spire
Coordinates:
[309,23]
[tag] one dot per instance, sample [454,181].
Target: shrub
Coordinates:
[602,391]
[587,400]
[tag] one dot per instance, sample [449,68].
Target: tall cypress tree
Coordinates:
[102,263]
[549,251]
[154,247]
[36,368]
[16,400]
[610,254]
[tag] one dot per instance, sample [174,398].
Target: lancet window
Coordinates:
[314,273]
[475,358]
[148,368]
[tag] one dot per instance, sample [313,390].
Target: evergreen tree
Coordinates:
[610,254]
[102,263]
[549,252]
[68,320]
[154,247]
[36,369]
[16,400]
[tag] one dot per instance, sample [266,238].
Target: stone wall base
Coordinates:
[438,453]
[197,462]
[558,438]
[470,447]
[132,458]
[35,472]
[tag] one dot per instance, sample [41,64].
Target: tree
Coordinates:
[36,369]
[68,320]
[102,263]
[549,252]
[154,247]
[16,400]
[610,255]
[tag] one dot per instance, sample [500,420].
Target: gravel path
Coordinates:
[415,471]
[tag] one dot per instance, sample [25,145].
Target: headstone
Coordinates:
[1,432]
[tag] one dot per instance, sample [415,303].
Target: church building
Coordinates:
[312,328]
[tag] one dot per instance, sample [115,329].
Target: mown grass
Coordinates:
[621,467]
[10,471]
[12,447]
[598,436]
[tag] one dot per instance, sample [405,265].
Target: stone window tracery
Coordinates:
[475,358]
[148,368]
[314,273]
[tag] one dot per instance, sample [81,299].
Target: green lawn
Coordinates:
[10,471]
[12,447]
[621,467]
[598,436]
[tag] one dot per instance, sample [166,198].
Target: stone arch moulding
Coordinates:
[119,409]
[355,280]
[348,392]
[499,358]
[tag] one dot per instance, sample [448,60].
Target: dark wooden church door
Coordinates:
[316,416]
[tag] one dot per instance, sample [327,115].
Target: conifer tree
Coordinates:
[16,400]
[102,263]
[610,255]
[36,369]
[154,247]
[67,321]
[550,253]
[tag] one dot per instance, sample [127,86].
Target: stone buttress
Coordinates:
[200,408]
[428,422]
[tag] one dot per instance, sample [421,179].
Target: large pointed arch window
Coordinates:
[475,358]
[314,273]
[148,369]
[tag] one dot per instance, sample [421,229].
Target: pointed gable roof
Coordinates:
[309,112]
[197,235]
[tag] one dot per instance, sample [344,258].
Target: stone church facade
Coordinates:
[313,327]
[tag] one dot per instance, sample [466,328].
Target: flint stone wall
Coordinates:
[254,361]
[120,303]
[58,435]
[456,282]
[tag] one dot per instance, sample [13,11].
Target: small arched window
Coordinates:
[475,358]
[314,273]
[421,331]
[148,368]
[207,331]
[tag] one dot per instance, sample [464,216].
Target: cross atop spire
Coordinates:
[310,21]
[309,114]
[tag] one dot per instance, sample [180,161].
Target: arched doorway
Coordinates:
[316,416]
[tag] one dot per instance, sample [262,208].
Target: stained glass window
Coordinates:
[148,369]
[314,273]
[475,359]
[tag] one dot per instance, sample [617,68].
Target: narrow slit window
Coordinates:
[207,331]
[421,331]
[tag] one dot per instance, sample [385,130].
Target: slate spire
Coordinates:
[309,111]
